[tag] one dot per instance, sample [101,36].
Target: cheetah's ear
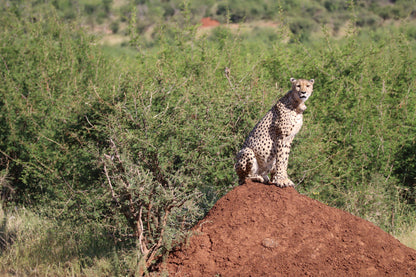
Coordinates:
[292,80]
[312,81]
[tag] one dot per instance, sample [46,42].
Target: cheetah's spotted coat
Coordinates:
[267,147]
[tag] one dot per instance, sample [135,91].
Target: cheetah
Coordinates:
[267,147]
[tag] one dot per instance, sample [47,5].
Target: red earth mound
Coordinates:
[261,230]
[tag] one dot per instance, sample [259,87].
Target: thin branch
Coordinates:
[110,184]
[227,72]
[143,247]
[89,122]
[115,150]
[156,247]
[120,164]
[6,155]
[149,209]
[53,141]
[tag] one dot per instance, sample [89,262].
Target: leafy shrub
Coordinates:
[140,147]
[114,26]
[48,71]
[301,27]
[405,169]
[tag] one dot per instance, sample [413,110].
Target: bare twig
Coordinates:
[113,195]
[155,247]
[89,122]
[120,164]
[227,72]
[113,145]
[6,155]
[149,209]
[53,141]
[140,229]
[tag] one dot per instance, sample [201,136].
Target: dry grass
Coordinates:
[34,246]
[408,237]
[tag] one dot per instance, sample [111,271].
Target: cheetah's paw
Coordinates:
[283,183]
[260,179]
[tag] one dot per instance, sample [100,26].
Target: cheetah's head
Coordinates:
[302,89]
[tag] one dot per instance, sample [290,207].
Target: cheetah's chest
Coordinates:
[293,125]
[275,125]
[286,124]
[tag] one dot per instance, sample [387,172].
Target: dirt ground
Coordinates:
[207,22]
[261,230]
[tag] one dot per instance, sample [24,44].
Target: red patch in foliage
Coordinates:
[208,22]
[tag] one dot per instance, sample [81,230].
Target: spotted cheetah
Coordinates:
[266,149]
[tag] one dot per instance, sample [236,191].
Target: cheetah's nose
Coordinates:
[302,94]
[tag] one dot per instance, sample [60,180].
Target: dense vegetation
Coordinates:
[107,158]
[302,16]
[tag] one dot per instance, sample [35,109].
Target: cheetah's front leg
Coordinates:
[278,173]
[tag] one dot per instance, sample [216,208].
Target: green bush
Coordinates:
[49,71]
[139,146]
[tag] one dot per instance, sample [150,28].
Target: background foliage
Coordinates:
[108,155]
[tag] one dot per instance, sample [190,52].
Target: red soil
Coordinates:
[261,230]
[208,22]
